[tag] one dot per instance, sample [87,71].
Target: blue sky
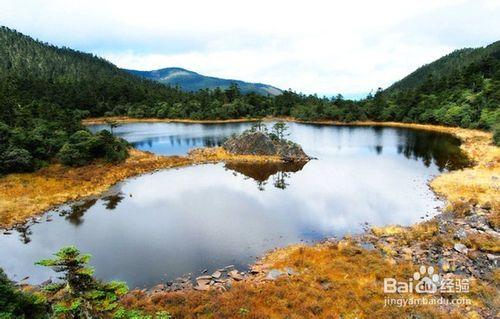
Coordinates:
[324,47]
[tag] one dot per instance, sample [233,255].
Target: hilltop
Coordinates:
[191,81]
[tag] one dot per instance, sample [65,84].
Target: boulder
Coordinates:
[261,143]
[461,248]
[235,275]
[251,143]
[274,274]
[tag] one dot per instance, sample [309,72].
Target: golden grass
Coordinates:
[332,281]
[25,195]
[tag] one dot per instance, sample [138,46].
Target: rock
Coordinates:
[235,275]
[217,274]
[407,250]
[203,282]
[461,248]
[290,271]
[491,257]
[261,143]
[158,288]
[273,274]
[460,234]
[208,277]
[326,285]
[202,287]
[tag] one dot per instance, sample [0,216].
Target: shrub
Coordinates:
[496,135]
[83,147]
[80,295]
[15,159]
[18,304]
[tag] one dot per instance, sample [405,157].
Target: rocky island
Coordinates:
[259,141]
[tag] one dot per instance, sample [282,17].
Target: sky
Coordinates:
[324,47]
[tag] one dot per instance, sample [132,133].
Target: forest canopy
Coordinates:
[45,92]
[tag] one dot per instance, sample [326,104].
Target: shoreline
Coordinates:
[24,196]
[471,194]
[476,144]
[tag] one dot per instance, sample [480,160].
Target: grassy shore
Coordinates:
[332,279]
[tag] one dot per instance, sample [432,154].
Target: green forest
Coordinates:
[45,92]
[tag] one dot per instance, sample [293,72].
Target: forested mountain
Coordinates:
[460,89]
[191,81]
[447,66]
[45,91]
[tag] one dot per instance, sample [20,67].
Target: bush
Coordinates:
[112,149]
[496,135]
[78,150]
[83,147]
[18,304]
[16,159]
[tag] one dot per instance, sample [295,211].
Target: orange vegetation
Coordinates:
[333,280]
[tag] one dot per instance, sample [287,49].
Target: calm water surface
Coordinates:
[159,226]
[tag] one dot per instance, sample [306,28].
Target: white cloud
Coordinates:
[315,46]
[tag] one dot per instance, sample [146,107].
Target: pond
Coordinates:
[156,227]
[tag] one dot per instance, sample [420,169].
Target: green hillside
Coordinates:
[447,66]
[191,81]
[45,91]
[460,89]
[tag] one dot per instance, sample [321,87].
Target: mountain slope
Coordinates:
[446,66]
[71,79]
[192,81]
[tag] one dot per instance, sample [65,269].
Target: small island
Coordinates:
[259,141]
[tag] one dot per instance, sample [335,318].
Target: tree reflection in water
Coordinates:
[111,201]
[431,147]
[76,212]
[280,172]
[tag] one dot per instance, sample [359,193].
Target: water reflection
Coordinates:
[280,172]
[76,211]
[111,201]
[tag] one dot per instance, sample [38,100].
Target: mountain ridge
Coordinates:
[191,81]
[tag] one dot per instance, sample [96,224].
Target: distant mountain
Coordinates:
[450,66]
[192,81]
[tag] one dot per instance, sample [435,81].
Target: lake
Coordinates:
[156,227]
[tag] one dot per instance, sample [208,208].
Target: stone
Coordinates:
[326,285]
[217,274]
[235,275]
[158,288]
[273,274]
[407,250]
[460,234]
[261,143]
[204,277]
[202,287]
[290,271]
[491,257]
[203,282]
[461,248]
